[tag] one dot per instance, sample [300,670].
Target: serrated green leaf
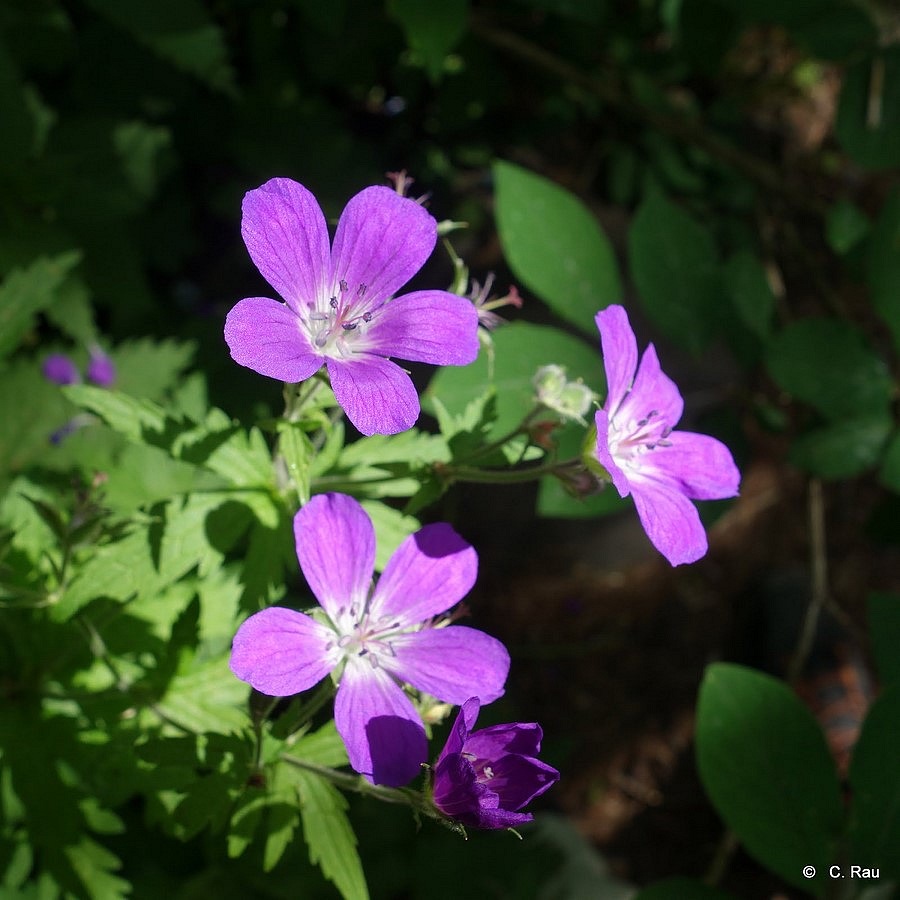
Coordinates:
[207,697]
[323,747]
[148,368]
[128,416]
[555,246]
[828,364]
[94,865]
[675,265]
[329,836]
[875,780]
[766,767]
[26,291]
[391,528]
[296,449]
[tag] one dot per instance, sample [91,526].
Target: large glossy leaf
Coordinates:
[555,246]
[766,767]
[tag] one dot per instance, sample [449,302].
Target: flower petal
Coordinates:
[652,392]
[620,355]
[429,572]
[465,720]
[701,465]
[287,238]
[518,779]
[497,740]
[605,457]
[335,544]
[427,326]
[452,663]
[671,521]
[377,395]
[265,336]
[281,652]
[382,240]
[383,734]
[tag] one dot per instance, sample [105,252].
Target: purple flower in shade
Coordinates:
[338,307]
[662,469]
[101,369]
[374,638]
[59,369]
[482,778]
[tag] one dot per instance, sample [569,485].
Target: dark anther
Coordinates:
[343,286]
[348,326]
[642,422]
[361,290]
[333,302]
[367,317]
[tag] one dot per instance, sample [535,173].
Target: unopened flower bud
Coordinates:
[571,400]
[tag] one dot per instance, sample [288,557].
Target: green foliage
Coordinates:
[765,765]
[554,246]
[431,31]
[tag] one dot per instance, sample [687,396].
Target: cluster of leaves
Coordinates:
[130,552]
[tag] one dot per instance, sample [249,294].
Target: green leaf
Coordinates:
[521,348]
[391,527]
[868,117]
[26,291]
[766,767]
[555,246]
[323,747]
[846,226]
[875,780]
[843,449]
[675,266]
[889,475]
[296,449]
[126,415]
[883,265]
[884,628]
[329,836]
[749,290]
[828,364]
[432,29]
[681,889]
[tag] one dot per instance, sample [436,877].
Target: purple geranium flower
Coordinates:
[59,369]
[375,639]
[338,306]
[483,777]
[662,469]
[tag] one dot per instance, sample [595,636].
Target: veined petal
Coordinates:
[266,336]
[429,572]
[670,520]
[281,652]
[382,240]
[701,465]
[377,395]
[620,355]
[427,326]
[605,458]
[518,779]
[653,392]
[452,663]
[462,725]
[383,733]
[287,238]
[495,741]
[335,544]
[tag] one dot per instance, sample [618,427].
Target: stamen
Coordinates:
[349,326]
[361,290]
[367,317]
[343,286]
[488,772]
[333,303]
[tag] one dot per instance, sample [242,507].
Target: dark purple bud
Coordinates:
[483,778]
[101,369]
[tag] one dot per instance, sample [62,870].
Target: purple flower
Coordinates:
[59,369]
[374,638]
[483,777]
[101,369]
[338,308]
[662,469]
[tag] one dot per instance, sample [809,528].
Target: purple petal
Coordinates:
[281,652]
[101,370]
[429,572]
[701,465]
[465,720]
[383,734]
[377,395]
[335,544]
[427,326]
[620,354]
[517,779]
[671,521]
[59,369]
[605,458]
[652,392]
[285,232]
[382,240]
[452,663]
[497,740]
[266,336]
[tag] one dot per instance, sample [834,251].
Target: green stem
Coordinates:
[475,475]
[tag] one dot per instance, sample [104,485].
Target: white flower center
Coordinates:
[335,325]
[630,439]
